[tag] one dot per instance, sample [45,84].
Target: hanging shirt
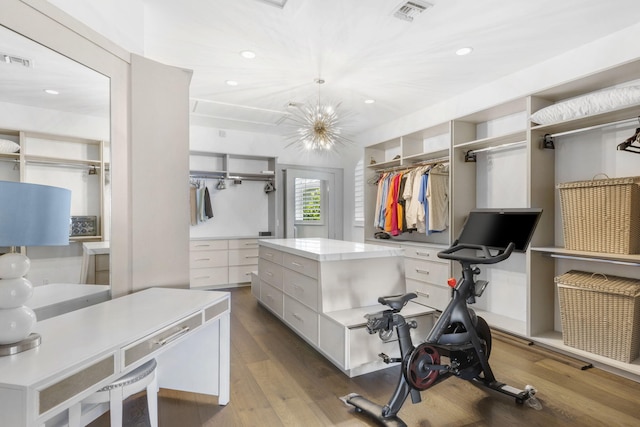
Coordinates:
[423,214]
[438,198]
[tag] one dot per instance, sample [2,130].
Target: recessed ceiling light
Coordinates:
[248,54]
[232,82]
[51,92]
[464,51]
[369,101]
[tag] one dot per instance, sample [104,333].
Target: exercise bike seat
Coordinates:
[396,302]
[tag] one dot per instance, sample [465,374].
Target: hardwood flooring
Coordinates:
[279,380]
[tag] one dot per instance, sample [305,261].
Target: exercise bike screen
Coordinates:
[495,229]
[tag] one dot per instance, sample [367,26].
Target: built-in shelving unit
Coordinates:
[499,159]
[64,161]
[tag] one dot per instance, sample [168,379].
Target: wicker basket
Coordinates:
[600,314]
[601,215]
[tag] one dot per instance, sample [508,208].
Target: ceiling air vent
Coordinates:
[410,9]
[15,60]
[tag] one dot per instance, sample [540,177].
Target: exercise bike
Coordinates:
[459,344]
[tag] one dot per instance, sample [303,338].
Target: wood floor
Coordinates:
[279,380]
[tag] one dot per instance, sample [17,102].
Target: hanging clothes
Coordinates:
[438,198]
[413,200]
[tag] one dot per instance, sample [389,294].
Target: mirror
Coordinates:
[64,141]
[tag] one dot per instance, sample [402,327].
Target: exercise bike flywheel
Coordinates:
[417,369]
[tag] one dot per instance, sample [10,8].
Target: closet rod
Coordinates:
[414,165]
[63,165]
[498,147]
[241,178]
[608,261]
[619,122]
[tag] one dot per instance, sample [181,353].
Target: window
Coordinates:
[358,218]
[308,201]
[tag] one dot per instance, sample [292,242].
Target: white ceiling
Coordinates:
[361,50]
[357,46]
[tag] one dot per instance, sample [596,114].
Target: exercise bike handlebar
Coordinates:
[454,253]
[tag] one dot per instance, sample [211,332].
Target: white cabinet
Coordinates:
[209,262]
[427,275]
[216,263]
[322,289]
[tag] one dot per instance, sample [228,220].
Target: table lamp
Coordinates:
[30,215]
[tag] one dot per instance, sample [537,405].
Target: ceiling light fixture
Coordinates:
[369,101]
[248,54]
[317,126]
[464,51]
[231,83]
[51,92]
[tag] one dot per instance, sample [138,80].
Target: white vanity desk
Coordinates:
[186,331]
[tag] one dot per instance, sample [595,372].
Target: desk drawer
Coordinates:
[241,273]
[271,254]
[424,253]
[201,277]
[306,266]
[243,244]
[243,256]
[272,298]
[301,318]
[301,287]
[207,245]
[270,272]
[148,345]
[57,393]
[430,295]
[207,259]
[426,271]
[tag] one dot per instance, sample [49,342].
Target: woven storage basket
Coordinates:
[601,215]
[600,314]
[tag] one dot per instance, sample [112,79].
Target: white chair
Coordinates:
[115,393]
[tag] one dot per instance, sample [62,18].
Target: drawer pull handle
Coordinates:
[251,244]
[268,255]
[203,259]
[269,273]
[297,264]
[202,246]
[298,317]
[298,288]
[421,271]
[201,277]
[422,253]
[172,337]
[252,256]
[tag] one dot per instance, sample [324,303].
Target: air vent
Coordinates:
[15,60]
[410,9]
[277,3]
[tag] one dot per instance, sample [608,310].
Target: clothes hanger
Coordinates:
[628,144]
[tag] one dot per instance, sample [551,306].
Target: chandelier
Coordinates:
[317,127]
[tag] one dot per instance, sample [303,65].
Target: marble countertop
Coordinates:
[331,250]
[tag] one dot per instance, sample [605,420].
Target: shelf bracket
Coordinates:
[470,156]
[547,142]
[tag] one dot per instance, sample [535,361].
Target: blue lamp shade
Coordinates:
[34,215]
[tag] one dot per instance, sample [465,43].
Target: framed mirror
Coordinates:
[55,130]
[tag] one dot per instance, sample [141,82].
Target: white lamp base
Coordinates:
[32,341]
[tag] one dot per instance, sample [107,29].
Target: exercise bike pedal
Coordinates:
[386,359]
[364,405]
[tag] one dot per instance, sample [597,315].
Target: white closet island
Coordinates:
[322,289]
